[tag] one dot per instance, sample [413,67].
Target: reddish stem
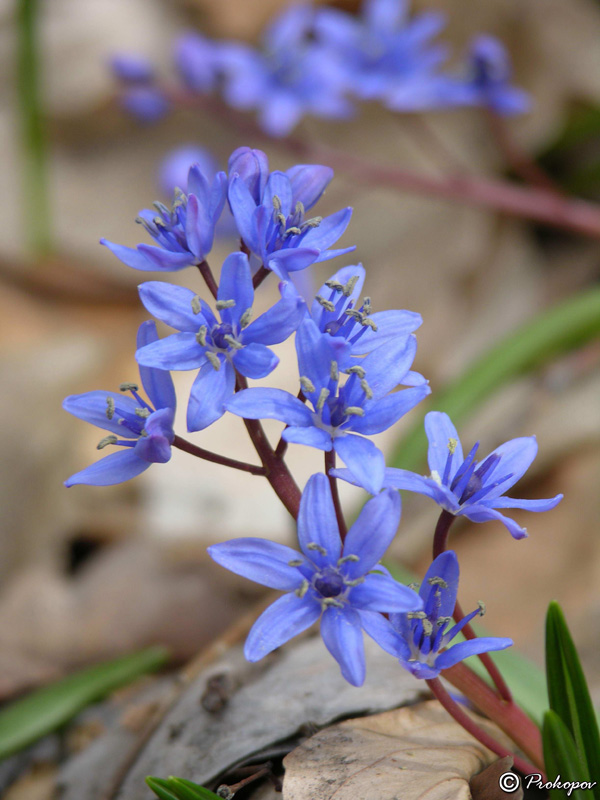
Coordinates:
[473,728]
[200,452]
[259,276]
[209,278]
[330,464]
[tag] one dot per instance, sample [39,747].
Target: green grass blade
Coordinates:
[161,788]
[44,710]
[564,327]
[188,790]
[561,757]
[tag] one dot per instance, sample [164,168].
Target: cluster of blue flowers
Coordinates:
[355,379]
[320,61]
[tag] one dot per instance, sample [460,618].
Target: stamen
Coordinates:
[319,548]
[354,411]
[367,305]
[334,372]
[335,285]
[302,589]
[245,318]
[276,203]
[349,286]
[427,627]
[144,413]
[196,307]
[296,562]
[232,341]
[307,384]
[110,439]
[482,607]
[416,615]
[356,371]
[331,601]
[346,559]
[312,223]
[201,335]
[355,582]
[299,208]
[128,387]
[437,582]
[110,407]
[293,231]
[221,304]
[414,586]
[327,304]
[452,445]
[323,395]
[214,360]
[366,389]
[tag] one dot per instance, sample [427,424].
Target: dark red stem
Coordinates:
[259,276]
[330,464]
[473,728]
[209,278]
[200,452]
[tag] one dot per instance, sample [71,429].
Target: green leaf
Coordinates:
[43,711]
[557,330]
[561,757]
[179,789]
[568,692]
[161,788]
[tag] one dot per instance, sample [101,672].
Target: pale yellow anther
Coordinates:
[214,360]
[452,445]
[196,306]
[221,304]
[306,384]
[246,318]
[201,336]
[354,411]
[110,407]
[233,342]
[110,439]
[349,287]
[142,412]
[323,395]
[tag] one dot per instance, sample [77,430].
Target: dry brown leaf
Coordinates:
[407,754]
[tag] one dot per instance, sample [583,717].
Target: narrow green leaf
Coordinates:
[561,757]
[188,790]
[45,710]
[568,691]
[161,788]
[562,328]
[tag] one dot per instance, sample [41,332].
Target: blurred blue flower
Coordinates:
[363,405]
[184,234]
[463,486]
[132,68]
[340,583]
[491,73]
[197,61]
[218,347]
[420,639]
[144,429]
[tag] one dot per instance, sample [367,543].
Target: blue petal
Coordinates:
[278,185]
[516,457]
[440,430]
[216,200]
[372,533]
[199,230]
[255,360]
[329,230]
[115,468]
[317,523]
[382,414]
[317,311]
[385,368]
[315,352]
[172,305]
[243,207]
[309,181]
[327,255]
[284,619]
[445,566]
[280,321]
[259,403]
[129,256]
[342,634]
[382,593]
[157,383]
[381,631]
[527,505]
[463,650]
[364,460]
[178,351]
[209,393]
[236,284]
[384,16]
[252,166]
[291,259]
[390,325]
[311,437]
[281,111]
[481,513]
[259,560]
[411,482]
[91,407]
[166,259]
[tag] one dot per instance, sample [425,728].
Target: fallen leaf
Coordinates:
[406,754]
[486,785]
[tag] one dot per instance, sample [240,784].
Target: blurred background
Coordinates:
[89,573]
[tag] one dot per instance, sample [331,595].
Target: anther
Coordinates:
[327,304]
[368,322]
[331,601]
[110,407]
[110,439]
[416,615]
[201,336]
[366,389]
[293,231]
[441,621]
[355,582]
[482,608]
[319,548]
[349,286]
[221,304]
[323,395]
[232,341]
[356,371]
[196,307]
[214,360]
[245,318]
[346,559]
[414,586]
[334,372]
[159,222]
[302,589]
[276,203]
[427,627]
[367,305]
[452,445]
[144,413]
[437,582]
[354,411]
[296,562]
[299,208]
[335,285]
[312,223]
[128,387]
[307,384]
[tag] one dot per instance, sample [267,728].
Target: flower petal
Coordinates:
[291,259]
[390,325]
[382,593]
[372,533]
[284,619]
[381,631]
[199,229]
[172,305]
[209,393]
[278,186]
[157,383]
[382,414]
[92,407]
[317,523]
[328,231]
[255,360]
[263,403]
[411,482]
[481,513]
[236,284]
[463,650]
[364,460]
[114,468]
[516,457]
[315,352]
[259,560]
[130,256]
[243,209]
[311,437]
[440,431]
[166,259]
[527,505]
[342,634]
[444,571]
[177,351]
[308,181]
[280,321]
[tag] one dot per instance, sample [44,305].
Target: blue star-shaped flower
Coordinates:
[218,346]
[489,84]
[463,486]
[184,234]
[144,430]
[362,405]
[340,583]
[420,639]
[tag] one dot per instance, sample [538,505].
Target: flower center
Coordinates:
[219,332]
[329,584]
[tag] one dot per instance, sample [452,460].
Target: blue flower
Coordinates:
[290,77]
[218,347]
[463,486]
[144,429]
[184,234]
[420,639]
[273,223]
[197,61]
[362,405]
[340,583]
[132,68]
[490,81]
[353,326]
[385,51]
